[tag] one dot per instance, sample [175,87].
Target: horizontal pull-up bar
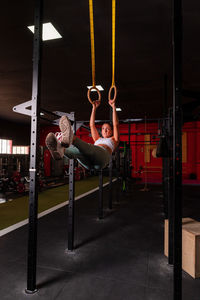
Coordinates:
[125,120]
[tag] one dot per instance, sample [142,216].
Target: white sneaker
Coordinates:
[66,129]
[54,146]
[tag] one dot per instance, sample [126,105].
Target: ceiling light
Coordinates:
[99,87]
[118,109]
[48,32]
[132,120]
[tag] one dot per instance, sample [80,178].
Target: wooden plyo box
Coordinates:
[190,246]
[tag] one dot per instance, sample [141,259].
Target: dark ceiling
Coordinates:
[143,55]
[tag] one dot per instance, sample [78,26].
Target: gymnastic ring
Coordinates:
[115,94]
[98,92]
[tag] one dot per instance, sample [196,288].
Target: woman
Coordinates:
[95,156]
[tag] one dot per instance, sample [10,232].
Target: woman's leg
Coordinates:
[87,154]
[73,153]
[97,156]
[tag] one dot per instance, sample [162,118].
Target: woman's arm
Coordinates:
[115,122]
[94,132]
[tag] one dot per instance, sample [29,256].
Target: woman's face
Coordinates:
[106,130]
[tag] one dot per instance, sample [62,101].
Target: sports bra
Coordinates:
[106,141]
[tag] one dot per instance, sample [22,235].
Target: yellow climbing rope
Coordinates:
[92,53]
[113,86]
[113,40]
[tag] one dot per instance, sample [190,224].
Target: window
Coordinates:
[20,150]
[5,146]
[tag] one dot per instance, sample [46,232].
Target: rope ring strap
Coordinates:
[115,93]
[89,92]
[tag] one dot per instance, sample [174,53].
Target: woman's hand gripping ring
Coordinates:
[89,92]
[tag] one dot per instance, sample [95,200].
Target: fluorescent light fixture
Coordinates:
[132,120]
[118,109]
[48,32]
[100,88]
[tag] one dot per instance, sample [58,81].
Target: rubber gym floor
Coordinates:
[119,257]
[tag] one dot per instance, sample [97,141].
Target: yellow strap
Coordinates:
[92,41]
[113,40]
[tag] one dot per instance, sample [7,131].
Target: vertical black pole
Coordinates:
[110,169]
[124,176]
[71,206]
[129,133]
[129,150]
[71,201]
[110,183]
[34,151]
[118,172]
[177,146]
[100,212]
[165,101]
[165,160]
[110,115]
[170,191]
[165,182]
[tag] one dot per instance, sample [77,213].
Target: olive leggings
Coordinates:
[88,155]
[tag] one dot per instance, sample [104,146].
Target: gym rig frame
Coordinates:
[175,173]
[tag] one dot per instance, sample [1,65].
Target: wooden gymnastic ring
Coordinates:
[115,94]
[98,92]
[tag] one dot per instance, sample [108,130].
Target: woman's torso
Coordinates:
[107,143]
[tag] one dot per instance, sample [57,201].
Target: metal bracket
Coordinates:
[23,108]
[78,125]
[61,113]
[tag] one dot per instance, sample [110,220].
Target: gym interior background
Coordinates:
[129,252]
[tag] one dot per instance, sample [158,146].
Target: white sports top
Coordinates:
[106,141]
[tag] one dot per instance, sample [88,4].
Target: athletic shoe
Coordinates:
[67,133]
[58,135]
[54,146]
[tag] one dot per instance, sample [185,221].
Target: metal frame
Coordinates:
[110,165]
[129,149]
[71,206]
[170,191]
[123,120]
[177,155]
[32,109]
[34,150]
[71,211]
[124,174]
[110,183]
[177,148]
[118,172]
[165,160]
[100,207]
